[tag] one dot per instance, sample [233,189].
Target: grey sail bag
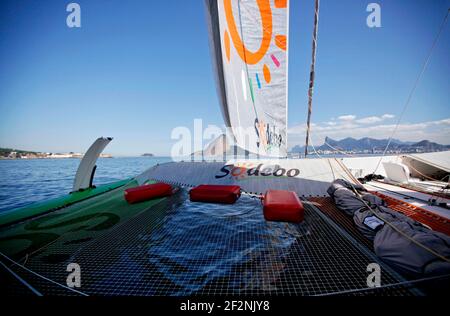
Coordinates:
[398,240]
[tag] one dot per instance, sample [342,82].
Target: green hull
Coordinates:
[96,210]
[41,208]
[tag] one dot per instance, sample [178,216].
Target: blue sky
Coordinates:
[137,69]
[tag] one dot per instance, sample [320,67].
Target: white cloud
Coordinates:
[374,119]
[347,117]
[369,120]
[442,122]
[387,116]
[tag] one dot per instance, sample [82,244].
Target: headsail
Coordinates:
[249,48]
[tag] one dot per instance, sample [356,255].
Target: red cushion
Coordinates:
[147,192]
[283,206]
[215,193]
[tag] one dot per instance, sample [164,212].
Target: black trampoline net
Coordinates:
[178,247]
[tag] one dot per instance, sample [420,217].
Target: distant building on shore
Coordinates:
[6,153]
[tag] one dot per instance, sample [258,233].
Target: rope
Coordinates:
[41,276]
[71,214]
[315,151]
[395,228]
[399,231]
[408,100]
[386,286]
[339,151]
[425,176]
[21,280]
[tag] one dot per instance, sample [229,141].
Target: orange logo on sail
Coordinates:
[253,57]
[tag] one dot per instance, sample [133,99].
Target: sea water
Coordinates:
[25,181]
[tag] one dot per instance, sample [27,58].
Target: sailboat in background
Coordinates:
[327,254]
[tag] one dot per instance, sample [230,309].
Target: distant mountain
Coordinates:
[371,145]
[430,146]
[351,144]
[402,142]
[297,149]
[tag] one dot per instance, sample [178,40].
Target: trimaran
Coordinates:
[391,211]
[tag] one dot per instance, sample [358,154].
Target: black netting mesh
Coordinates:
[176,247]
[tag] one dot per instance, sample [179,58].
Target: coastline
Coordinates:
[51,157]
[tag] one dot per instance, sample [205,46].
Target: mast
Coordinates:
[312,73]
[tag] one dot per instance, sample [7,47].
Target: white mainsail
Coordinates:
[249,47]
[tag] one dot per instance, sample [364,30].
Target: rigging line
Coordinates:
[70,214]
[420,245]
[398,194]
[408,100]
[410,282]
[25,258]
[399,230]
[369,254]
[21,280]
[331,167]
[338,150]
[41,276]
[402,194]
[346,170]
[328,160]
[425,176]
[118,225]
[429,178]
[312,72]
[314,148]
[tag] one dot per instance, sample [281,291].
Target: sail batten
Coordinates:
[249,49]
